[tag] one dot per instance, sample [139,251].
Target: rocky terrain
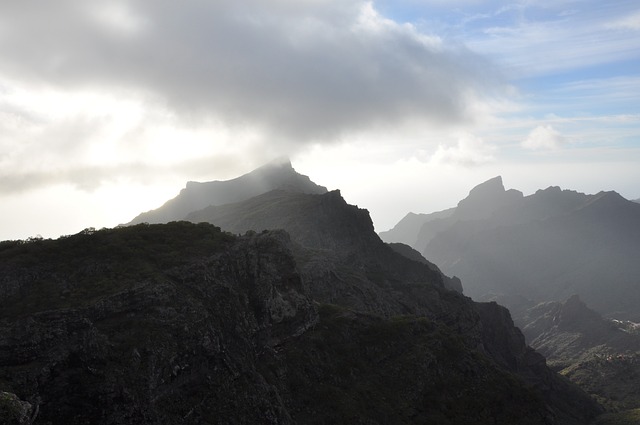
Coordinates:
[322,323]
[600,355]
[182,323]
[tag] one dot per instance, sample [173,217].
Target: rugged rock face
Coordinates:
[14,411]
[149,340]
[181,323]
[278,174]
[405,250]
[602,356]
[339,252]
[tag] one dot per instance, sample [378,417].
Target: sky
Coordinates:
[108,108]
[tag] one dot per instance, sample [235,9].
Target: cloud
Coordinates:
[544,137]
[296,71]
[560,39]
[469,151]
[630,22]
[87,88]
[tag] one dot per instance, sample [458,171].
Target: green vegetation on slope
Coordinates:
[629,417]
[81,268]
[359,368]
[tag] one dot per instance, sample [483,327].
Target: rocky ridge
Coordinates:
[543,247]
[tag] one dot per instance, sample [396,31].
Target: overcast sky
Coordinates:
[107,108]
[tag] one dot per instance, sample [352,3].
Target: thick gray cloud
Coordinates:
[300,70]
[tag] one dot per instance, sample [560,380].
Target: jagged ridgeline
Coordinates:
[543,247]
[322,324]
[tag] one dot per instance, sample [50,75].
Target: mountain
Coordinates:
[600,355]
[183,323]
[319,323]
[278,174]
[406,231]
[417,230]
[342,234]
[543,247]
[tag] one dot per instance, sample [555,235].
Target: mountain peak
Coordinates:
[486,198]
[493,185]
[276,174]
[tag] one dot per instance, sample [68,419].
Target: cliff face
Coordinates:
[184,324]
[337,250]
[180,323]
[175,344]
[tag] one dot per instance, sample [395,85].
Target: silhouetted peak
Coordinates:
[486,198]
[276,174]
[549,190]
[608,204]
[609,197]
[491,186]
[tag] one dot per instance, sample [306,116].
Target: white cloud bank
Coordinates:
[469,151]
[87,84]
[544,137]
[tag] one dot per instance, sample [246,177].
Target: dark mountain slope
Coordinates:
[278,174]
[342,249]
[180,323]
[148,325]
[345,263]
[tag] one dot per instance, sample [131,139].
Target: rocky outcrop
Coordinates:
[14,411]
[174,344]
[452,283]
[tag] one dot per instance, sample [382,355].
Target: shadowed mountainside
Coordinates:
[182,323]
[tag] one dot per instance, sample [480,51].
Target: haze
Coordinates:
[107,109]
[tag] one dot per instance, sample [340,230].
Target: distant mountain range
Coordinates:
[542,247]
[318,323]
